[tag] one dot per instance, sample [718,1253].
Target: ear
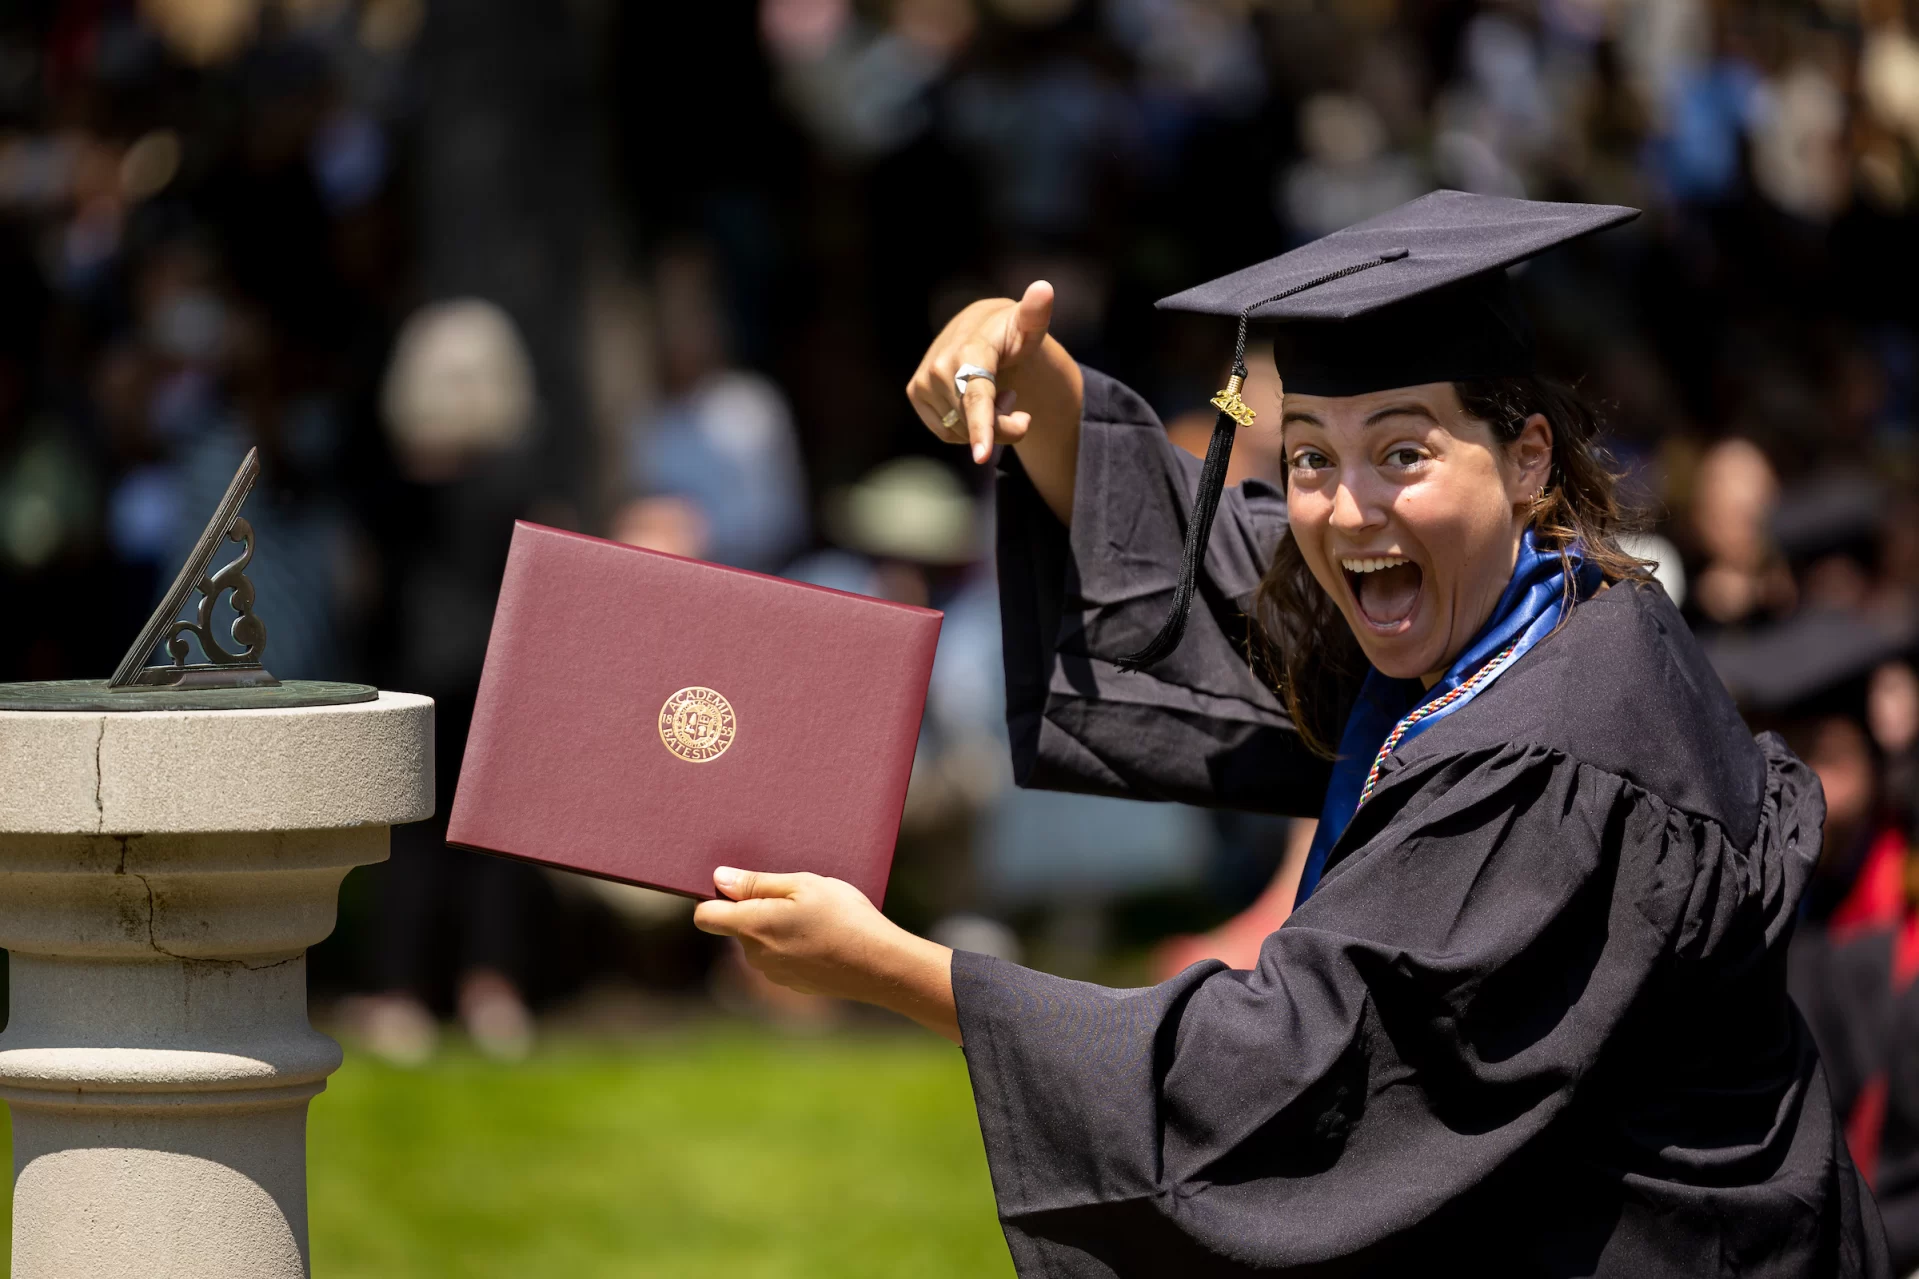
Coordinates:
[1531,458]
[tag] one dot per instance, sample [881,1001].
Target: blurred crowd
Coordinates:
[660,272]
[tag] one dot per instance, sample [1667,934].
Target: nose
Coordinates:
[1357,505]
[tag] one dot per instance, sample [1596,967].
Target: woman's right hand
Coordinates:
[1001,336]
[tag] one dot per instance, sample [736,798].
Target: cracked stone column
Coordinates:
[161,876]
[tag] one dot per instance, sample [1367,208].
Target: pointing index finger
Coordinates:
[979,402]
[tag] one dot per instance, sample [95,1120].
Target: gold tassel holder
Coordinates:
[1229,402]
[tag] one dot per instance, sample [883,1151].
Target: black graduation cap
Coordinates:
[1415,295]
[1816,661]
[1841,511]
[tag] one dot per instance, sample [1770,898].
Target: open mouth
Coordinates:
[1386,588]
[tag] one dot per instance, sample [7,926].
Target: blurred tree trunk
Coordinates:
[507,185]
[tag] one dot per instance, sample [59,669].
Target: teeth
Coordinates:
[1372,565]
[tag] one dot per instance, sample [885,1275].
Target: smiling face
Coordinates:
[1409,512]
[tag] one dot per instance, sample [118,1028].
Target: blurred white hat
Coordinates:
[911,508]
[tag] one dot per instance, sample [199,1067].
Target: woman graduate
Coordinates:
[1529,1015]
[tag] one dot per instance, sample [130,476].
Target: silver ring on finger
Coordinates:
[967,372]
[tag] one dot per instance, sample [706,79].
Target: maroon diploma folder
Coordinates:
[647,718]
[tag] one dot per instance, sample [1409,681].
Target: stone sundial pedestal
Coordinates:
[171,842]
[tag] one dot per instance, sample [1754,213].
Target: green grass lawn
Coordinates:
[705,1153]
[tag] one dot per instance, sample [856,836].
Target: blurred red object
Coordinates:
[1878,897]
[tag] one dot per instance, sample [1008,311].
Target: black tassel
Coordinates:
[1212,484]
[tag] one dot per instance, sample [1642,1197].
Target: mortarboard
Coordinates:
[1418,294]
[1840,512]
[1814,662]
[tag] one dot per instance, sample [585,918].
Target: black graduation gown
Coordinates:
[1533,1021]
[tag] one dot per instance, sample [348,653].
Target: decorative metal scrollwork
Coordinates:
[222,668]
[249,632]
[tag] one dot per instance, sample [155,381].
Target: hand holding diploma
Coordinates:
[822,936]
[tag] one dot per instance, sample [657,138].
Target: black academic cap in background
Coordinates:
[1838,512]
[1816,662]
[1415,295]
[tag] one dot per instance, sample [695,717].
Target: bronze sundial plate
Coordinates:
[94,695]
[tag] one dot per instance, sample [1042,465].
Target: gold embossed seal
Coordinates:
[697,724]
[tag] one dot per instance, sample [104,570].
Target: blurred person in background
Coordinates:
[1859,880]
[864,89]
[1741,575]
[716,464]
[459,407]
[1892,716]
[1347,174]
[1050,127]
[223,375]
[1832,682]
[1856,951]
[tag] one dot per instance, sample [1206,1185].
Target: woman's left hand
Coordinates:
[822,936]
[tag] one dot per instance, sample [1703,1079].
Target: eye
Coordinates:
[1405,455]
[1309,460]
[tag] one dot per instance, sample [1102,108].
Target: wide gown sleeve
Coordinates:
[1198,727]
[1418,1055]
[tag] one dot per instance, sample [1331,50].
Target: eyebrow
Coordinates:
[1402,410]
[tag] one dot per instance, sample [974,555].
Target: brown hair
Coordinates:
[1311,653]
